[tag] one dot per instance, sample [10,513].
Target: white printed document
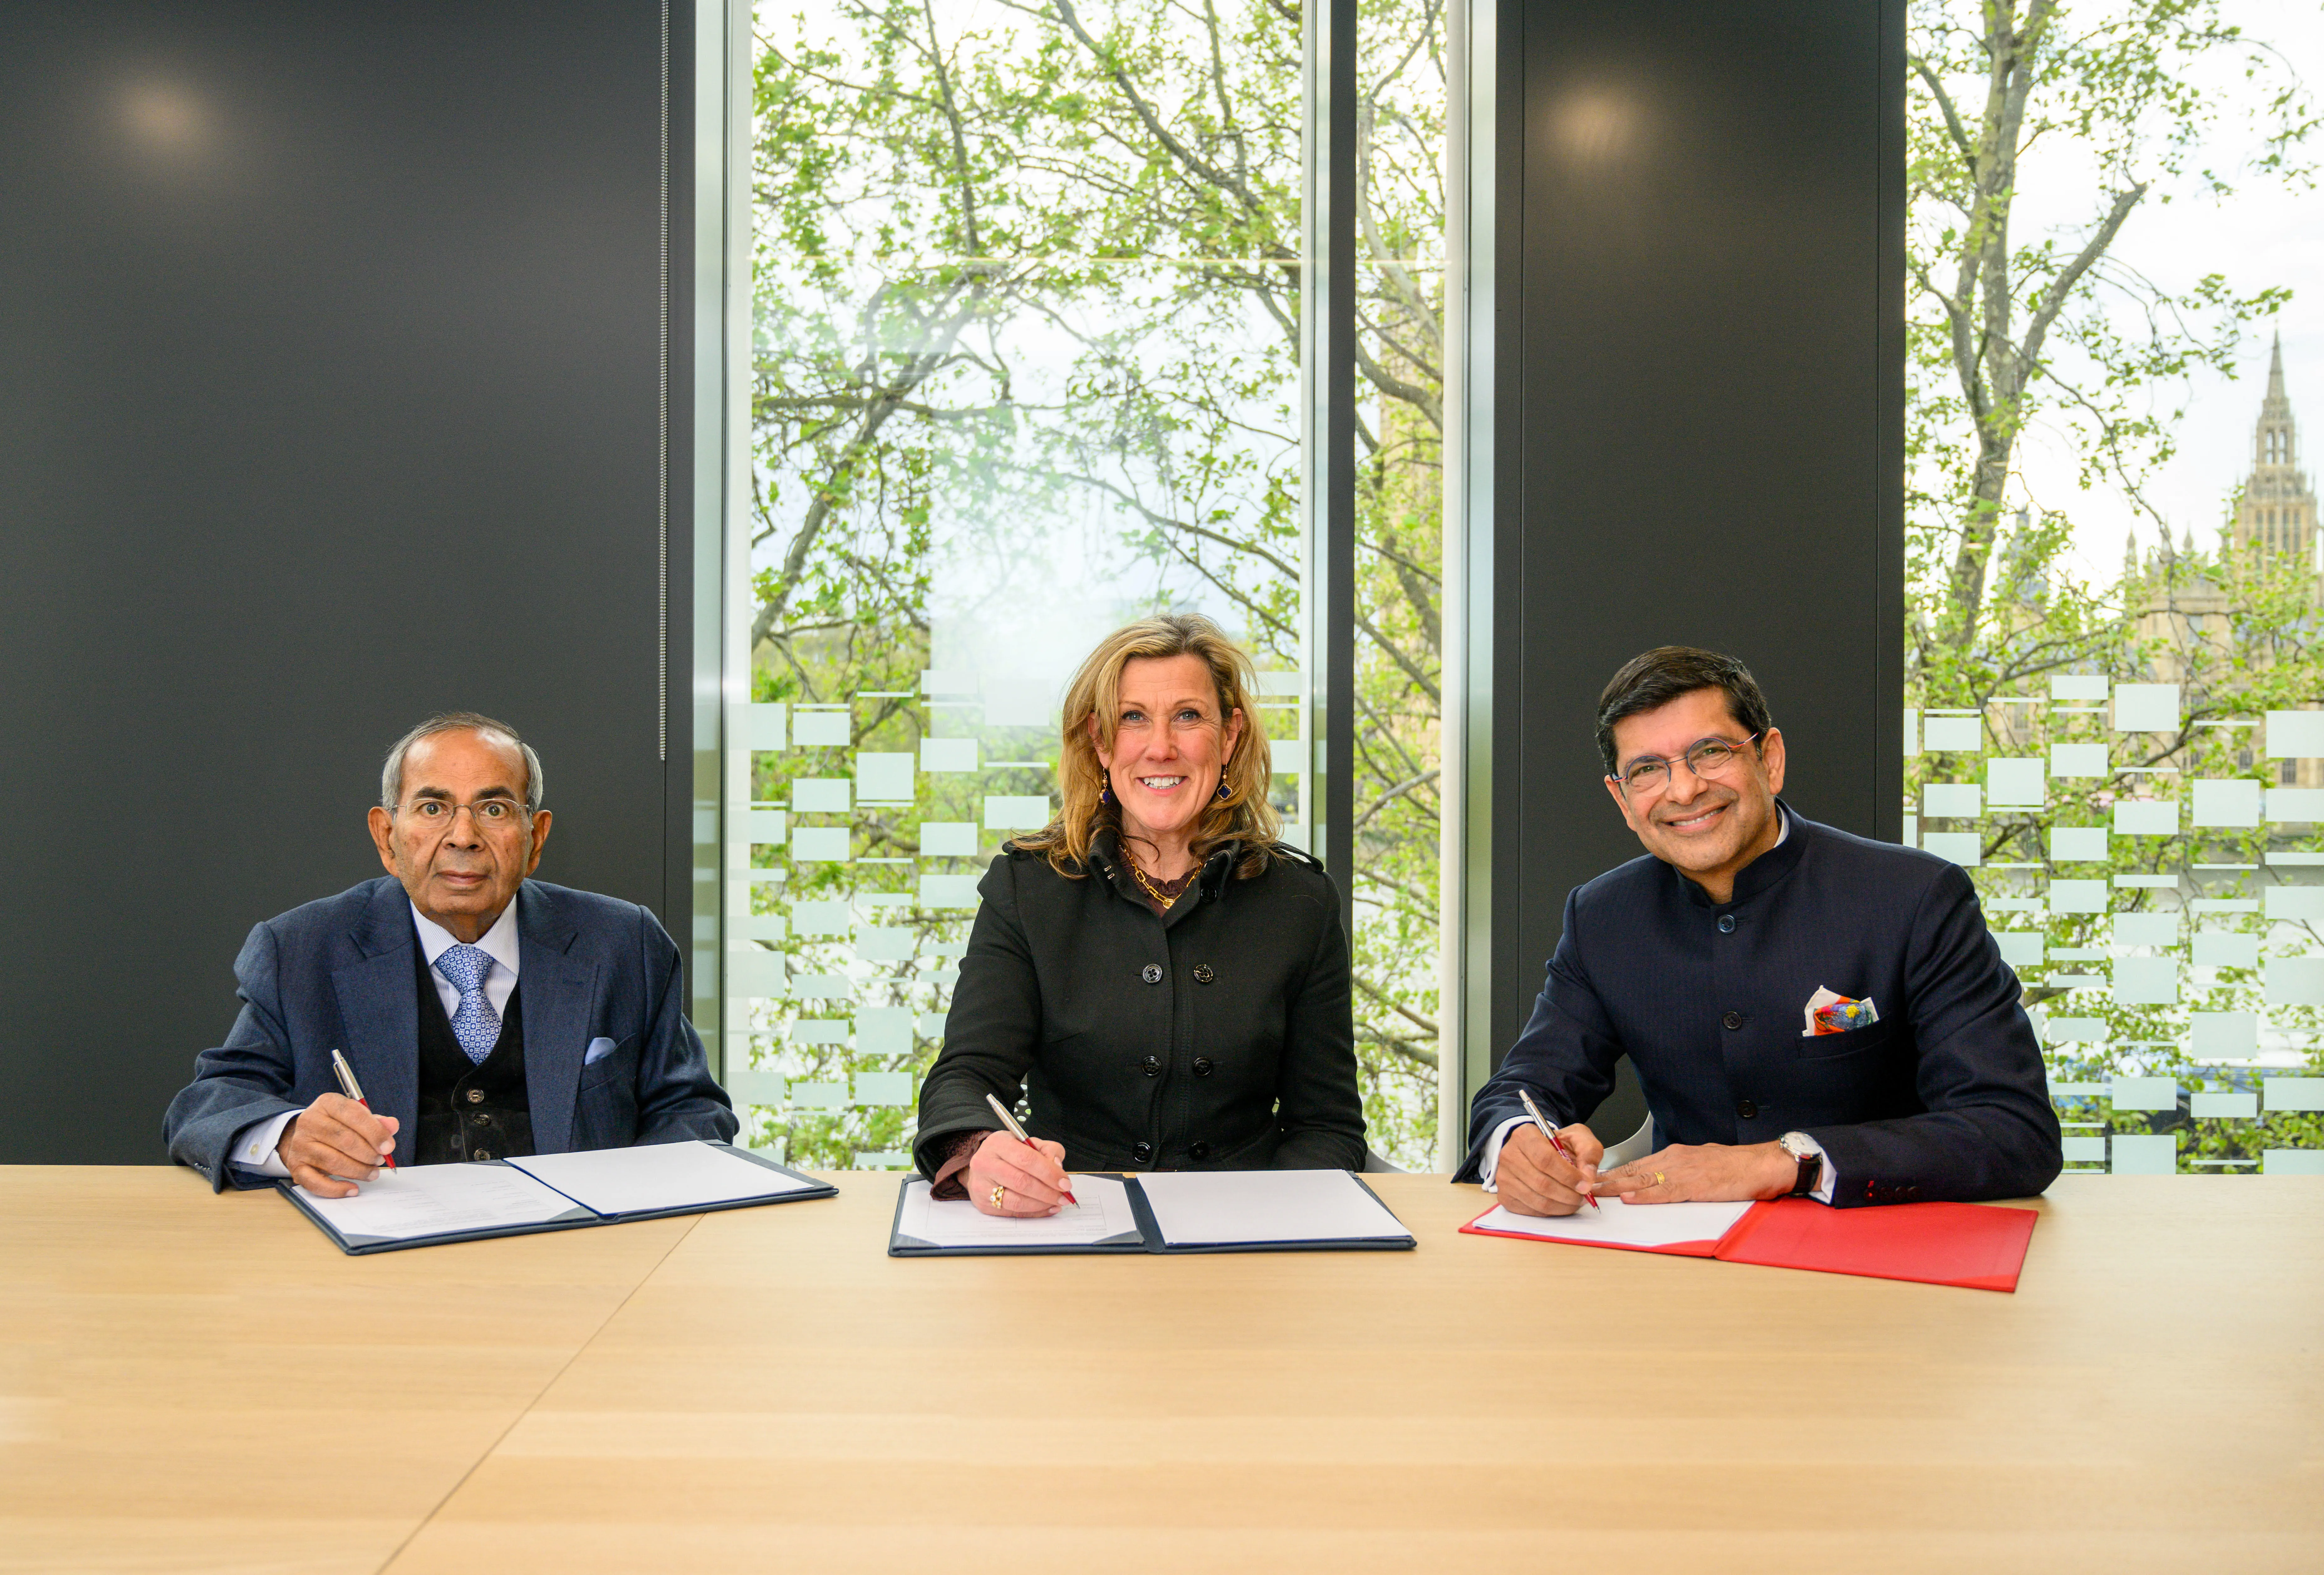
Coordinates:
[1652,1227]
[439,1200]
[1221,1208]
[1102,1215]
[657,1176]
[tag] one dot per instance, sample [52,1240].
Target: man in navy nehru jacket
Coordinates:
[1810,1013]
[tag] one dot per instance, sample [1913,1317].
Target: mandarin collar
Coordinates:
[1762,874]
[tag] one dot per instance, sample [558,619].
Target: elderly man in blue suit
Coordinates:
[483,1013]
[1810,1013]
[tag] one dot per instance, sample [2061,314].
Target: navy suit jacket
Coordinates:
[339,973]
[1944,1097]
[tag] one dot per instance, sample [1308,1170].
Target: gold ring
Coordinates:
[998,1191]
[1658,1181]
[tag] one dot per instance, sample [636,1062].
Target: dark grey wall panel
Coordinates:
[332,336]
[1704,375]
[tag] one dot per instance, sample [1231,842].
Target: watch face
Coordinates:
[1794,1144]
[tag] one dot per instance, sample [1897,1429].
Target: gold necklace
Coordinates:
[1157,893]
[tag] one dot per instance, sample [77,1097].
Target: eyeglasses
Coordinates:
[488,814]
[1706,757]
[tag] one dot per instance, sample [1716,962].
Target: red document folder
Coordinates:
[1974,1245]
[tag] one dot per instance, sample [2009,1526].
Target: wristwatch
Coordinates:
[1803,1148]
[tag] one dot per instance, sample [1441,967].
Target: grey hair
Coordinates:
[391,775]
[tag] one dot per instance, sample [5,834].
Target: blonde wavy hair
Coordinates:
[1243,817]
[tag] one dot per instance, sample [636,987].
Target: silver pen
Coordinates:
[1554,1140]
[1017,1132]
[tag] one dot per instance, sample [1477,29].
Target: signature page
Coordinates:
[1654,1227]
[441,1200]
[1103,1215]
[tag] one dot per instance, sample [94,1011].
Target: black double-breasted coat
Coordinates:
[1215,1037]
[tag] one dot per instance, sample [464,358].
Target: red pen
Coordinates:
[1555,1142]
[1017,1132]
[354,1090]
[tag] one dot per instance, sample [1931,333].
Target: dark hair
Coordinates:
[1652,681]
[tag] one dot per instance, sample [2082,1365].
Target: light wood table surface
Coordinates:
[766,1389]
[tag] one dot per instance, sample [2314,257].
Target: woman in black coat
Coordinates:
[1165,978]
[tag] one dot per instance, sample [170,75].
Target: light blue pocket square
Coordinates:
[598,1050]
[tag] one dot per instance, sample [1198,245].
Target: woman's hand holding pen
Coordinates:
[1030,1180]
[1534,1178]
[333,1143]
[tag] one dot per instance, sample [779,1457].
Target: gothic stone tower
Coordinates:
[2278,511]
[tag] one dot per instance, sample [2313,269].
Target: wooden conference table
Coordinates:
[190,1382]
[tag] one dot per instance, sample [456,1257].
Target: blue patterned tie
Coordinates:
[476,1024]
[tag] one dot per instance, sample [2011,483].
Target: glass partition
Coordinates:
[1024,364]
[2112,637]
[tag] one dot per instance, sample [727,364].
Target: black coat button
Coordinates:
[1726,924]
[1142,1152]
[1199,1151]
[1746,1110]
[476,1096]
[1152,1065]
[1733,1019]
[1203,974]
[1151,974]
[1202,1066]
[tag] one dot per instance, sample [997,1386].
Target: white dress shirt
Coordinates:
[255,1150]
[1825,1178]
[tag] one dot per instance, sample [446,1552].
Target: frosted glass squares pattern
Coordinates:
[822,796]
[1960,733]
[2017,782]
[1016,812]
[948,839]
[2294,1095]
[2077,759]
[886,776]
[2295,734]
[2295,803]
[2079,844]
[2146,981]
[2020,948]
[2146,707]
[819,844]
[1951,801]
[2223,1035]
[2294,982]
[2146,1154]
[2079,689]
[948,754]
[2226,949]
[2226,801]
[2296,904]
[2146,817]
[2144,1093]
[2078,895]
[822,729]
[1966,849]
[2146,929]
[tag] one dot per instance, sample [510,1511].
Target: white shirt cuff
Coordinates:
[1491,1168]
[255,1150]
[1825,1176]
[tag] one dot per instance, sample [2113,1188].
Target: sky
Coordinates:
[2266,234]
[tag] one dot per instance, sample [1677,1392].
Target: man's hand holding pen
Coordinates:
[334,1143]
[1534,1178]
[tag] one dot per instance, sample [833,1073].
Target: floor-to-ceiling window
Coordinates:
[1025,361]
[2112,652]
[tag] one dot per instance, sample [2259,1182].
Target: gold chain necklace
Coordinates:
[1165,898]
